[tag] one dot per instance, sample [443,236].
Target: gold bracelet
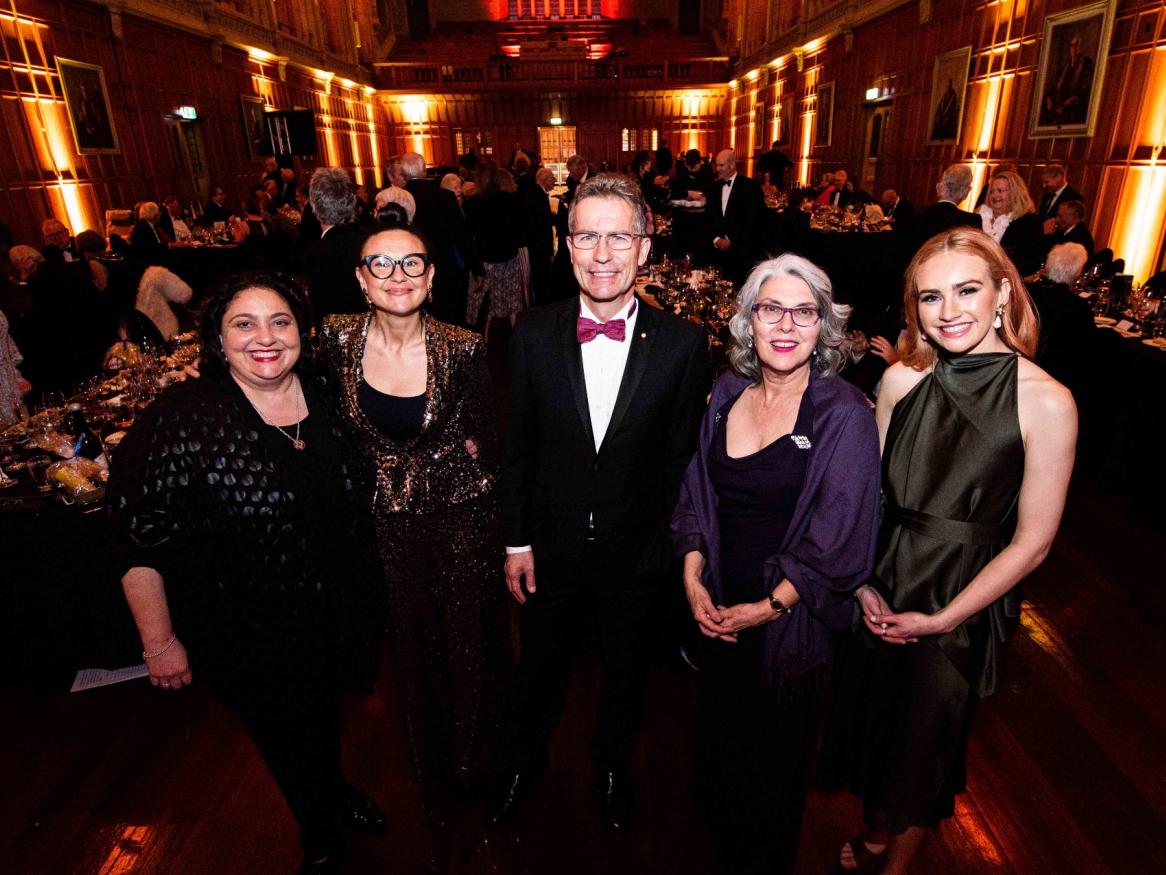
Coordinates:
[169,644]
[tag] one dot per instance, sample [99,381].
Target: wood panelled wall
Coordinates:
[149,70]
[1118,169]
[428,124]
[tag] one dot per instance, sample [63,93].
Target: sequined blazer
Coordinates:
[434,469]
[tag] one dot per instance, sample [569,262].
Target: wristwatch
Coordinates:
[776,604]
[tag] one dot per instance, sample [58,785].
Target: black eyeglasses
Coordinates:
[382,266]
[771,314]
[589,240]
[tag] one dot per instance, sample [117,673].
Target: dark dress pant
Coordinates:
[623,609]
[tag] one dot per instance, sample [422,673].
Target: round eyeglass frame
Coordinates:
[394,263]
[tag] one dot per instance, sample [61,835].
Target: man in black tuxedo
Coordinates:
[736,210]
[149,244]
[451,249]
[606,395]
[1054,182]
[330,263]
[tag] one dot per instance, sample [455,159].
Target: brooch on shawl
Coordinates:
[800,441]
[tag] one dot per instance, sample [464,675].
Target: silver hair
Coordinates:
[413,165]
[614,186]
[1065,262]
[956,182]
[833,344]
[333,196]
[400,196]
[148,211]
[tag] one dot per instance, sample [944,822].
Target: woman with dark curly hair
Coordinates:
[236,506]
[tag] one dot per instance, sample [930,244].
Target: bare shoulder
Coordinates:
[898,380]
[1043,402]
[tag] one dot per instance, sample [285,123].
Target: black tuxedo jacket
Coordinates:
[1049,203]
[553,480]
[928,222]
[741,221]
[147,246]
[901,211]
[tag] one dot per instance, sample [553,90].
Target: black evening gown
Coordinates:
[751,799]
[952,469]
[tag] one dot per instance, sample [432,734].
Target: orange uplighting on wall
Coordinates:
[988,113]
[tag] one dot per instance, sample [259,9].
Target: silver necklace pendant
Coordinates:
[298,444]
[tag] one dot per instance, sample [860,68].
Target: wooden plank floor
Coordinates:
[1067,766]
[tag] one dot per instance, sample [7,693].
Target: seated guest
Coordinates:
[148,243]
[286,193]
[216,210]
[25,260]
[841,192]
[58,242]
[159,312]
[172,221]
[895,208]
[776,526]
[1067,330]
[1009,218]
[90,246]
[395,206]
[1071,228]
[330,262]
[268,594]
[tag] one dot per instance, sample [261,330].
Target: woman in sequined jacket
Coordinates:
[417,394]
[236,505]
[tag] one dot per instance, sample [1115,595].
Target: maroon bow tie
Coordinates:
[588,329]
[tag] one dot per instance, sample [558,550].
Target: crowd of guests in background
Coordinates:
[366,406]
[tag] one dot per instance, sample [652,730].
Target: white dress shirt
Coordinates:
[603,365]
[604,361]
[181,230]
[726,190]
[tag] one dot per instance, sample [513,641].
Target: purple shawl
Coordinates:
[829,546]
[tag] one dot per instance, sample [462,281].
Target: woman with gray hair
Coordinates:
[776,525]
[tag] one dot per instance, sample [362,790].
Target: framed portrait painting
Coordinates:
[255,127]
[824,117]
[87,103]
[949,82]
[1069,76]
[785,119]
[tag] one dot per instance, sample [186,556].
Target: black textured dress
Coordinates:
[953,463]
[267,566]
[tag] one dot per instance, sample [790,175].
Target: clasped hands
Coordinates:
[720,622]
[882,621]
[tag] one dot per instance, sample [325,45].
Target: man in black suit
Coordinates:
[1070,227]
[451,249]
[539,233]
[149,244]
[330,263]
[736,211]
[606,395]
[952,188]
[562,278]
[1067,332]
[774,162]
[1054,182]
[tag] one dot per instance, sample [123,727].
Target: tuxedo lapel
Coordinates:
[641,340]
[573,360]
